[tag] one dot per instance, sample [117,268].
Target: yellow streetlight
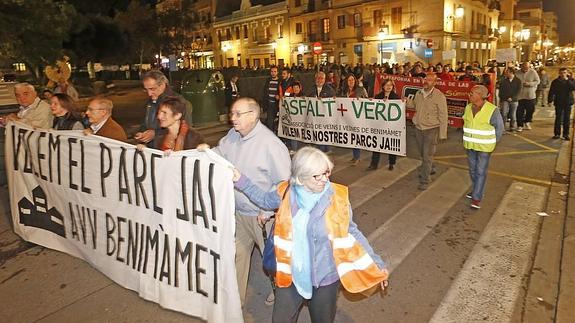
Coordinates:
[459,11]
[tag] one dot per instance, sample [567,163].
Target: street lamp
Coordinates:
[381,36]
[502,29]
[158,60]
[274,46]
[459,11]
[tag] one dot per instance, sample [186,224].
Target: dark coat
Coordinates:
[561,92]
[392,96]
[326,92]
[509,89]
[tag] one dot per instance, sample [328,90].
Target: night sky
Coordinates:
[565,10]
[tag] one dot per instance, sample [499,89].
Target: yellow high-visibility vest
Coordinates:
[356,269]
[478,133]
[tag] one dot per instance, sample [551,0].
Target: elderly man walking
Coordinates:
[482,129]
[256,152]
[33,111]
[430,122]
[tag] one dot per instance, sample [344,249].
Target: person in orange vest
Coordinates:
[318,247]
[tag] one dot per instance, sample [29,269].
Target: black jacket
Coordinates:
[392,96]
[509,89]
[561,92]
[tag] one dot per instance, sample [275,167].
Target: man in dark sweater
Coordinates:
[509,88]
[271,99]
[561,94]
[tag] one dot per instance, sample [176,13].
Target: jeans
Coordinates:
[508,111]
[321,306]
[562,114]
[478,162]
[426,146]
[525,111]
[356,153]
[375,157]
[542,95]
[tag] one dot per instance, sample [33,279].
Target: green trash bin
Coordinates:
[205,89]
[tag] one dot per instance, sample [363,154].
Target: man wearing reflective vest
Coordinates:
[482,129]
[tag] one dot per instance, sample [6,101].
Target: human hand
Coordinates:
[168,152]
[509,100]
[11,117]
[145,136]
[262,219]
[88,131]
[203,147]
[140,147]
[237,174]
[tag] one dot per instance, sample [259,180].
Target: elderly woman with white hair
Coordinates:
[318,247]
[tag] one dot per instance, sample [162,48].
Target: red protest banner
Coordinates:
[456,93]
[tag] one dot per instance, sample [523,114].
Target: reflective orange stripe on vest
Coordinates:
[355,267]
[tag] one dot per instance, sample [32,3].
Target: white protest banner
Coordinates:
[368,124]
[160,225]
[506,55]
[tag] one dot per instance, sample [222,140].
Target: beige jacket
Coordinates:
[430,112]
[38,115]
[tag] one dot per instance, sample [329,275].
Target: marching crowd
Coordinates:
[317,247]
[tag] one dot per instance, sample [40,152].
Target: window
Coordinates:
[245,31]
[297,3]
[341,22]
[237,32]
[357,20]
[255,34]
[298,28]
[396,18]
[377,18]
[219,35]
[228,34]
[267,32]
[325,26]
[280,30]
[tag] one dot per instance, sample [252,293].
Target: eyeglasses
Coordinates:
[318,177]
[239,114]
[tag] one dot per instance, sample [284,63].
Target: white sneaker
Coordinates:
[528,125]
[519,129]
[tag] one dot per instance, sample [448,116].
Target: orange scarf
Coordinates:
[180,139]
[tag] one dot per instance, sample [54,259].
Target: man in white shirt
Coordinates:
[33,111]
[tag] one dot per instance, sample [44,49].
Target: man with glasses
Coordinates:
[157,87]
[99,114]
[255,151]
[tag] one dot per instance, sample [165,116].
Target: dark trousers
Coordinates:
[322,304]
[562,115]
[525,111]
[375,157]
[271,118]
[426,146]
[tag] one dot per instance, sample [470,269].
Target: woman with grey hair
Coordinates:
[318,247]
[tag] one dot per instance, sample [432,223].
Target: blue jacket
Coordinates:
[324,270]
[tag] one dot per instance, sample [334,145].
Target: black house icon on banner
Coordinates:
[36,214]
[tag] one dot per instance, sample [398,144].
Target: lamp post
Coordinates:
[381,36]
[158,60]
[274,46]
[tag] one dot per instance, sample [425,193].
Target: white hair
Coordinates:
[25,85]
[309,161]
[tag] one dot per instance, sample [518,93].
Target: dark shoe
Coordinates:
[566,138]
[556,137]
[391,166]
[433,171]
[422,187]
[475,204]
[372,167]
[468,195]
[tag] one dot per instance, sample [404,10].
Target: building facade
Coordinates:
[255,35]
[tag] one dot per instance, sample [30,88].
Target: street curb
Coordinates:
[566,292]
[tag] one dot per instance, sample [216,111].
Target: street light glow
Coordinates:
[525,34]
[502,29]
[459,11]
[301,48]
[274,44]
[381,34]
